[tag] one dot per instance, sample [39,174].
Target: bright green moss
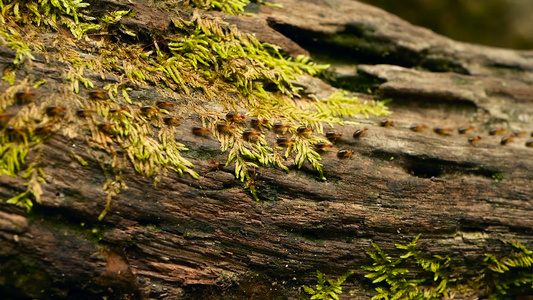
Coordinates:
[211,63]
[416,275]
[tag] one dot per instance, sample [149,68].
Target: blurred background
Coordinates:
[498,23]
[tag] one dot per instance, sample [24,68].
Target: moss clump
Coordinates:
[225,6]
[211,63]
[415,275]
[327,290]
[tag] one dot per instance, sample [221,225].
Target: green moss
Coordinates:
[416,275]
[213,64]
[226,6]
[327,290]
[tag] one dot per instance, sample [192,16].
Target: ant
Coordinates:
[200,130]
[304,130]
[164,105]
[257,123]
[359,133]
[495,131]
[16,132]
[224,128]
[323,146]
[332,136]
[443,131]
[250,135]
[506,139]
[171,121]
[465,129]
[251,183]
[147,110]
[24,97]
[107,128]
[4,118]
[280,128]
[345,154]
[418,128]
[98,95]
[44,129]
[54,111]
[83,113]
[386,123]
[285,142]
[473,140]
[234,117]
[215,166]
[117,110]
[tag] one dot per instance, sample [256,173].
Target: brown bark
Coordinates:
[207,238]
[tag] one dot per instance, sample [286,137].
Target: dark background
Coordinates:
[499,23]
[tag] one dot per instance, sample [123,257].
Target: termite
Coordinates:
[148,110]
[16,131]
[44,129]
[284,142]
[359,133]
[24,97]
[472,140]
[4,118]
[386,123]
[418,128]
[506,139]
[54,111]
[443,131]
[250,135]
[257,123]
[345,154]
[83,113]
[98,95]
[117,110]
[171,121]
[333,136]
[323,146]
[164,104]
[251,184]
[465,129]
[304,130]
[518,133]
[495,131]
[200,130]
[107,128]
[224,128]
[529,143]
[234,117]
[216,165]
[278,127]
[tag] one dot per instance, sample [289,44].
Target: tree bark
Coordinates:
[207,238]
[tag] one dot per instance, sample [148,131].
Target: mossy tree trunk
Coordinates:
[207,238]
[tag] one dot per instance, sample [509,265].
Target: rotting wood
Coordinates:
[206,238]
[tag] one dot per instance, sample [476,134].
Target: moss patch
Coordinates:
[202,65]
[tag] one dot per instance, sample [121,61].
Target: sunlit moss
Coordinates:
[215,65]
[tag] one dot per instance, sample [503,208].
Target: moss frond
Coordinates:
[225,6]
[327,289]
[35,175]
[218,67]
[436,278]
[47,12]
